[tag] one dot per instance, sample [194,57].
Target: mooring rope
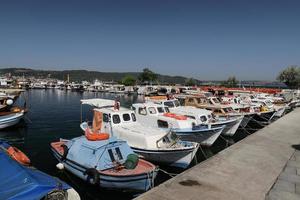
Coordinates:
[168,173]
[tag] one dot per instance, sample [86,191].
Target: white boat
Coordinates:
[203,116]
[187,129]
[11,119]
[153,144]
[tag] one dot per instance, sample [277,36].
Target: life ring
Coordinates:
[175,116]
[66,151]
[92,176]
[18,155]
[95,136]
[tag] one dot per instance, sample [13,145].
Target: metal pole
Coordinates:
[80,113]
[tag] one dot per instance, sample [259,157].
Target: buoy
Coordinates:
[60,166]
[18,155]
[9,102]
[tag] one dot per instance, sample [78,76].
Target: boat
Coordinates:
[21,181]
[202,116]
[222,109]
[151,143]
[105,161]
[187,129]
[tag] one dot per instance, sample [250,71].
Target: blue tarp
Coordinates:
[20,182]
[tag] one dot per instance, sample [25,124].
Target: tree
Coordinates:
[128,80]
[190,82]
[290,76]
[147,76]
[231,82]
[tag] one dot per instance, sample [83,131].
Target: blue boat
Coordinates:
[108,163]
[24,182]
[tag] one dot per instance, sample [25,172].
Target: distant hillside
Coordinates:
[84,75]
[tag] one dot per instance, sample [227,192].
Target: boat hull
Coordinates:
[136,183]
[177,158]
[231,126]
[10,120]
[206,137]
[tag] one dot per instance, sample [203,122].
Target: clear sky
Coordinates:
[210,39]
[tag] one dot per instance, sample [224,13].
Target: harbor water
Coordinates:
[55,114]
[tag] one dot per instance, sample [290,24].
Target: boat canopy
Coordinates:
[98,102]
[102,154]
[19,182]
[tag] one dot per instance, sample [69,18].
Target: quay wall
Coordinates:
[245,170]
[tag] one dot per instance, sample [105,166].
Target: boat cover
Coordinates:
[19,182]
[102,154]
[98,102]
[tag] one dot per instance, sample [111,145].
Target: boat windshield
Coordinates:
[176,102]
[167,109]
[216,100]
[169,104]
[268,103]
[160,109]
[168,140]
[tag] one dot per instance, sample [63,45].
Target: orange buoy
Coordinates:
[95,136]
[18,155]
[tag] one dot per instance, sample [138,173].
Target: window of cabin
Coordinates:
[116,119]
[133,117]
[152,110]
[142,111]
[160,109]
[199,100]
[203,118]
[169,104]
[105,117]
[126,117]
[191,100]
[167,109]
[162,124]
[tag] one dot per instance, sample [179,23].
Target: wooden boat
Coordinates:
[104,163]
[11,118]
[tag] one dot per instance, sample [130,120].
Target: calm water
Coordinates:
[55,114]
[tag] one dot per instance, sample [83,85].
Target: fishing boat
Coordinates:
[107,162]
[21,181]
[11,118]
[186,128]
[202,116]
[151,143]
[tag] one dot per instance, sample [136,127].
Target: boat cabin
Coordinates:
[158,115]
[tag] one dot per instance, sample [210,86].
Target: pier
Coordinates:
[265,165]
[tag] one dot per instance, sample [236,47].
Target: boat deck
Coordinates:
[141,168]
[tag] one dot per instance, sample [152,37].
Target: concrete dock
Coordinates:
[262,166]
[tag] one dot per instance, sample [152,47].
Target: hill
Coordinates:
[85,75]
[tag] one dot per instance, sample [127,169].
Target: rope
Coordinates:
[227,142]
[168,173]
[205,156]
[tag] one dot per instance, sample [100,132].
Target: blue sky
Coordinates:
[210,39]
